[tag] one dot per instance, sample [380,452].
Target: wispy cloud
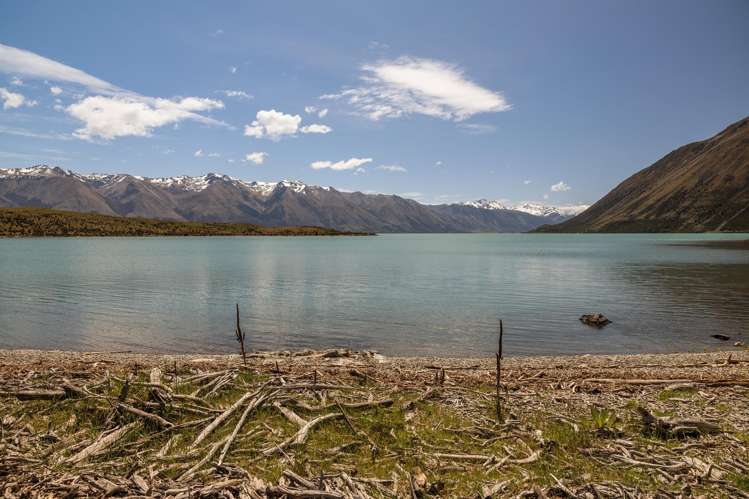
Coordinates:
[477,128]
[348,164]
[238,94]
[22,132]
[392,168]
[561,186]
[409,85]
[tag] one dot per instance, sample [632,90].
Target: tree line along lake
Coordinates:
[405,294]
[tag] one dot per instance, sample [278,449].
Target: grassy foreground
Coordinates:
[43,222]
[340,424]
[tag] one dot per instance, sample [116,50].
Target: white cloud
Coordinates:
[12,100]
[348,164]
[256,157]
[560,187]
[217,33]
[23,62]
[438,163]
[273,125]
[116,112]
[316,128]
[409,85]
[239,94]
[360,171]
[111,117]
[477,128]
[16,81]
[213,155]
[546,196]
[321,112]
[527,182]
[55,90]
[199,153]
[392,168]
[233,69]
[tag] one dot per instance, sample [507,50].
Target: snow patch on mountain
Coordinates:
[537,209]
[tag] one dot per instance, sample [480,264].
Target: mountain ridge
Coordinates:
[220,198]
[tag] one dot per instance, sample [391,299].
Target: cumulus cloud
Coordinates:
[55,90]
[11,100]
[349,164]
[316,128]
[560,187]
[273,125]
[16,81]
[392,168]
[111,117]
[199,153]
[256,157]
[239,94]
[409,85]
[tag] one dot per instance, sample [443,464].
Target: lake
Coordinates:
[405,294]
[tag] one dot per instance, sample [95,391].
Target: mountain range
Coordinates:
[220,198]
[702,186]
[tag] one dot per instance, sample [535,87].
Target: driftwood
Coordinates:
[670,427]
[250,407]
[301,436]
[102,443]
[225,415]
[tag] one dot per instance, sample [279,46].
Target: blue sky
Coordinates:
[441,102]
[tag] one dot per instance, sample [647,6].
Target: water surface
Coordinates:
[399,294]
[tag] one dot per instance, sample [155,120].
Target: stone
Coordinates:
[594,320]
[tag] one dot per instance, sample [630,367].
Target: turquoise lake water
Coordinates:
[399,294]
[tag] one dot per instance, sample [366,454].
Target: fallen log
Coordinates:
[102,443]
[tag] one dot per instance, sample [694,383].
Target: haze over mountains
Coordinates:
[219,198]
[702,186]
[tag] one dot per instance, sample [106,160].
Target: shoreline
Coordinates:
[339,424]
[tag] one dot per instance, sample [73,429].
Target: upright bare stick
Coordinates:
[240,338]
[499,372]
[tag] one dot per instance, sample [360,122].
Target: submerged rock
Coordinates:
[595,320]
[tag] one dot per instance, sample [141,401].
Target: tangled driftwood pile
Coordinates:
[340,424]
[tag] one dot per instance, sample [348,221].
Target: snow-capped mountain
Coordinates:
[217,197]
[537,209]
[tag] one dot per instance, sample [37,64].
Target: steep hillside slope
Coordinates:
[703,186]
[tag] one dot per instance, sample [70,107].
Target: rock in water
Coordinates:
[721,337]
[595,320]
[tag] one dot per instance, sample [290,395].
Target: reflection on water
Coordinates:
[400,294]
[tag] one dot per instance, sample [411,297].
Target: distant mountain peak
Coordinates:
[537,209]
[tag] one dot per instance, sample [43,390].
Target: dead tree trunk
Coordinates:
[499,373]
[240,338]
